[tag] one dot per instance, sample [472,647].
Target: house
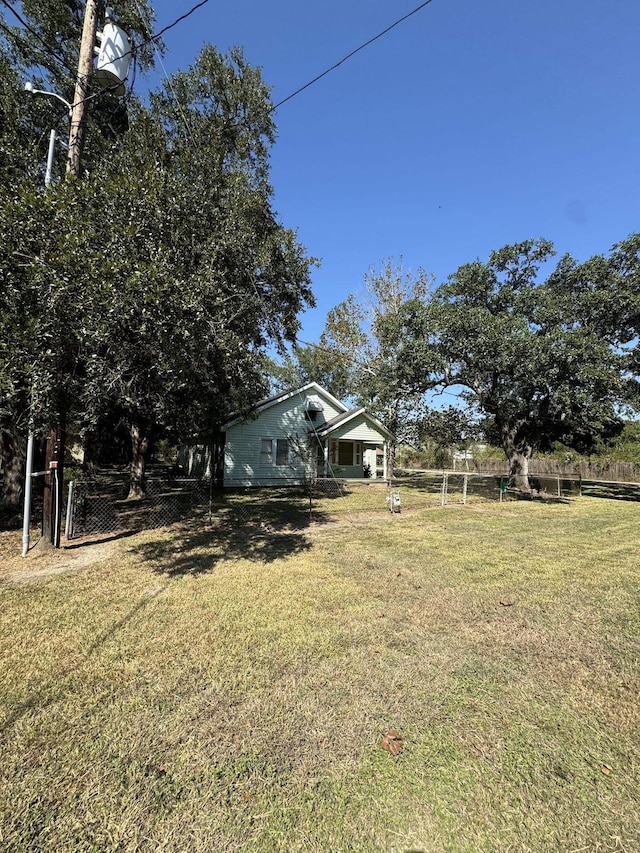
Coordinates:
[300,434]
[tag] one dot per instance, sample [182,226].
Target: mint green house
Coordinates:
[298,435]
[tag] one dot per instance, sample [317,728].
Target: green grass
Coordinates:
[225,687]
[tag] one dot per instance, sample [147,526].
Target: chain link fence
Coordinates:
[455,487]
[99,504]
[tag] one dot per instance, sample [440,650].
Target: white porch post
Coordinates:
[385,444]
[326,458]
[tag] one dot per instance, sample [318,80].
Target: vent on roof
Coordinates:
[312,407]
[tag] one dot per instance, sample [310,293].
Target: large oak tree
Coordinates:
[540,358]
[150,289]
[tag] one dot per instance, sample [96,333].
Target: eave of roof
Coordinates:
[267,402]
[344,418]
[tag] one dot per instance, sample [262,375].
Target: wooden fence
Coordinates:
[620,472]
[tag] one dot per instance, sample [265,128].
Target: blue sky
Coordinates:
[469,126]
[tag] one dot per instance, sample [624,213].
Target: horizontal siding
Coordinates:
[358,429]
[242,447]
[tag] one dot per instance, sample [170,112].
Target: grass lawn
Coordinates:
[226,686]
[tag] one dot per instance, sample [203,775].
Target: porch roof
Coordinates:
[340,420]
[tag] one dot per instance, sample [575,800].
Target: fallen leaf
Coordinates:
[392,742]
[605,769]
[505,603]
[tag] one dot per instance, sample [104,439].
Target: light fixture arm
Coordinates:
[29,87]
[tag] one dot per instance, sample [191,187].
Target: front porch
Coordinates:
[351,459]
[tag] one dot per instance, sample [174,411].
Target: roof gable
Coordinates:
[282,396]
[345,417]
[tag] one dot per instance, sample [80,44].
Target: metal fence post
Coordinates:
[69,521]
[443,492]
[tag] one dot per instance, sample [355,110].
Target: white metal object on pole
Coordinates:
[48,175]
[114,56]
[67,526]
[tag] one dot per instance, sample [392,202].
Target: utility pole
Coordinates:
[54,461]
[113,64]
[85,70]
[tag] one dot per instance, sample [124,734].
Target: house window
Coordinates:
[346,453]
[275,451]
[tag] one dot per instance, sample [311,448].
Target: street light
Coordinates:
[48,176]
[29,87]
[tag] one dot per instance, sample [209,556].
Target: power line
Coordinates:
[164,71]
[353,53]
[37,36]
[177,21]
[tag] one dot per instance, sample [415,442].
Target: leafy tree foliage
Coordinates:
[363,338]
[150,290]
[534,356]
[311,363]
[448,429]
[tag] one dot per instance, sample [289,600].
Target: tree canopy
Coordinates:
[357,356]
[150,289]
[541,359]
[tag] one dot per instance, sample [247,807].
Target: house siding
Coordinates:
[357,429]
[242,465]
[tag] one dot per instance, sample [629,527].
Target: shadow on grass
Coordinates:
[122,534]
[612,491]
[260,527]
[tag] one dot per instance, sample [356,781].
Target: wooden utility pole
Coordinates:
[55,452]
[85,70]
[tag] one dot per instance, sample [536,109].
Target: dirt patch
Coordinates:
[43,566]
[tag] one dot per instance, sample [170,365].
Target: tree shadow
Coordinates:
[197,553]
[260,527]
[122,534]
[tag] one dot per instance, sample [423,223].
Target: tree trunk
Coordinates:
[89,453]
[12,451]
[139,444]
[519,471]
[518,452]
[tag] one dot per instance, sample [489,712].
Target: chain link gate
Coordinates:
[99,504]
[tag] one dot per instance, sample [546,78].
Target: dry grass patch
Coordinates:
[227,688]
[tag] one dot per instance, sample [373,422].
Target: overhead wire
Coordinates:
[352,53]
[183,116]
[47,48]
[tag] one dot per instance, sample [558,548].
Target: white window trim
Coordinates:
[273,456]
